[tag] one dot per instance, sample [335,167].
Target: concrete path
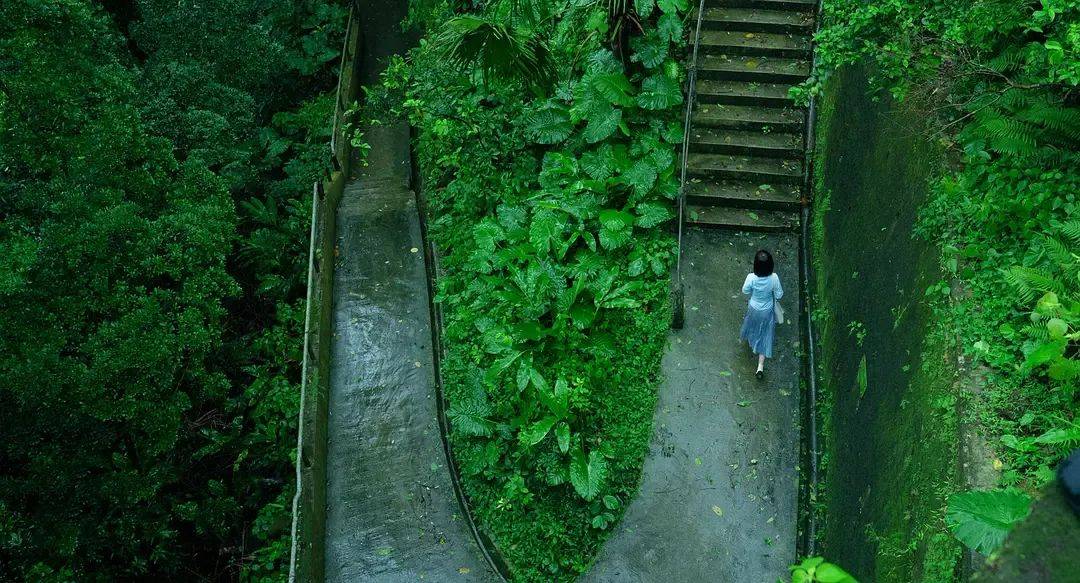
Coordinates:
[719,492]
[391,514]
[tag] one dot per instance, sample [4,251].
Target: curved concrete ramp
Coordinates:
[392,514]
[719,492]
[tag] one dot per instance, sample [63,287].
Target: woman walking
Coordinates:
[759,325]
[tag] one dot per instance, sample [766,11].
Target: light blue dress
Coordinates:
[759,325]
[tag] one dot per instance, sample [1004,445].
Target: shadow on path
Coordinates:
[719,491]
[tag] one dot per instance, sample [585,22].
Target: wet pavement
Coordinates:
[392,514]
[719,491]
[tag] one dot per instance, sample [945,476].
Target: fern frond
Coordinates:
[1071,229]
[1057,251]
[1009,136]
[1030,283]
[1008,60]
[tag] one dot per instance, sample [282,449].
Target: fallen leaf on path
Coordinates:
[718,511]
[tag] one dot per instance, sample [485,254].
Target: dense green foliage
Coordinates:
[546,141]
[1000,78]
[155,165]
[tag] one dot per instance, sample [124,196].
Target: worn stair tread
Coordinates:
[799,68]
[706,163]
[742,219]
[759,16]
[772,141]
[765,91]
[719,39]
[742,193]
[716,115]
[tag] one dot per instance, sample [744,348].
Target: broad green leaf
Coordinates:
[651,214]
[615,87]
[982,519]
[562,435]
[641,176]
[650,49]
[659,91]
[550,124]
[598,163]
[536,432]
[587,475]
[602,125]
[672,6]
[616,220]
[1044,353]
[830,573]
[670,27]
[1057,328]
[644,8]
[545,227]
[487,233]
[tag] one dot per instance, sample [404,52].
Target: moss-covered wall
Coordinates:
[888,407]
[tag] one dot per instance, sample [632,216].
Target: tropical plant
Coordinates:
[816,569]
[982,519]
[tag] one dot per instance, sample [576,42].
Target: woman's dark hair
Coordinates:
[763,263]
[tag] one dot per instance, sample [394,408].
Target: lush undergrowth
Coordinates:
[548,164]
[155,173]
[1000,80]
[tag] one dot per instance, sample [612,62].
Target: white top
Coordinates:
[762,290]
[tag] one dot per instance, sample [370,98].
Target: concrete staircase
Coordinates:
[745,167]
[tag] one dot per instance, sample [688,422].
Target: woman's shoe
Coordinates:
[760,374]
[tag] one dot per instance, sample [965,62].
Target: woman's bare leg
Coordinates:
[760,362]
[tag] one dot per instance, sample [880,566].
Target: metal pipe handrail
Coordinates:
[691,93]
[314,237]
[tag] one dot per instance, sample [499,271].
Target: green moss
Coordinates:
[887,399]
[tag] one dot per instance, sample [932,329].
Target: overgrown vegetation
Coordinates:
[155,170]
[1000,78]
[546,137]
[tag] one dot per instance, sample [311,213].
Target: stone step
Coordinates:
[755,69]
[746,142]
[758,44]
[743,93]
[757,20]
[742,194]
[793,5]
[757,170]
[741,219]
[747,117]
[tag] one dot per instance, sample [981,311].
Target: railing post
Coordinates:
[679,305]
